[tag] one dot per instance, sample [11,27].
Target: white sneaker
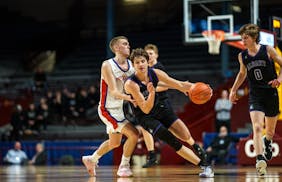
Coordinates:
[207,173]
[261,167]
[124,171]
[89,164]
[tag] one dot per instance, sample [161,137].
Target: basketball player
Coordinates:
[176,126]
[114,71]
[154,115]
[257,64]
[153,53]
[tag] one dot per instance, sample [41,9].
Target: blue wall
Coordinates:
[57,149]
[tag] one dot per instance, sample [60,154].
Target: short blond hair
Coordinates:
[115,40]
[152,47]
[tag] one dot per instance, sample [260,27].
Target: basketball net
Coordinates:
[214,38]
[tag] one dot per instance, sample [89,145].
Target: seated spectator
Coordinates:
[218,149]
[40,80]
[58,107]
[16,155]
[82,102]
[31,125]
[40,157]
[93,97]
[17,122]
[43,113]
[71,110]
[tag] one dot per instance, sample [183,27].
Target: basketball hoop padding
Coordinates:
[214,38]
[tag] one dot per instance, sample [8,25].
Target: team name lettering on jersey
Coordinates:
[256,63]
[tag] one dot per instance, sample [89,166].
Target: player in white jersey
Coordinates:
[110,109]
[113,74]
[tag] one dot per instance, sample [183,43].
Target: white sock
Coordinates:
[124,160]
[95,157]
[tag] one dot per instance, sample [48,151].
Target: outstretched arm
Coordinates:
[170,82]
[241,76]
[133,89]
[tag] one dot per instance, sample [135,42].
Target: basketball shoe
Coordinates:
[201,154]
[151,161]
[124,171]
[89,164]
[207,172]
[267,145]
[261,167]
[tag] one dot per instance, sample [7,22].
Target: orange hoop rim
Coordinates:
[215,34]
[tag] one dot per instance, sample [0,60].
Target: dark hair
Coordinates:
[252,30]
[137,53]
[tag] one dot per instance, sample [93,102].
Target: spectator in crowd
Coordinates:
[43,113]
[93,96]
[31,126]
[219,147]
[40,157]
[223,108]
[71,110]
[50,103]
[40,80]
[93,99]
[16,155]
[17,122]
[58,107]
[82,102]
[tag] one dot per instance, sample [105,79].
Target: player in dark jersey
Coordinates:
[152,114]
[257,64]
[175,125]
[153,53]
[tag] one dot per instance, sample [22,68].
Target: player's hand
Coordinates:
[233,97]
[188,86]
[274,83]
[133,102]
[150,88]
[129,99]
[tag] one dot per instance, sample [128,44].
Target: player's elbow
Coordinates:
[146,109]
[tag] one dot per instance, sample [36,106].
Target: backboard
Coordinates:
[226,15]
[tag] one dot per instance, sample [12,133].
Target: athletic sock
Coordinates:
[95,157]
[124,160]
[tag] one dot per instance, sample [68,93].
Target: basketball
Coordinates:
[200,93]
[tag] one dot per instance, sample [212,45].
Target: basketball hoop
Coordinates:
[214,38]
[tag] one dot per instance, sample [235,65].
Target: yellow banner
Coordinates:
[277,68]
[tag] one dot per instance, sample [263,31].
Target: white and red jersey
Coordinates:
[110,108]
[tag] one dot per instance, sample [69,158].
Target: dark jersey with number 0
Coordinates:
[260,69]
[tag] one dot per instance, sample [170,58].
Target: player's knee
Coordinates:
[257,128]
[134,137]
[113,145]
[163,134]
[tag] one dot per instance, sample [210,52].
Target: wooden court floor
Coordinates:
[155,174]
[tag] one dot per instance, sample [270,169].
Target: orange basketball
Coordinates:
[200,93]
